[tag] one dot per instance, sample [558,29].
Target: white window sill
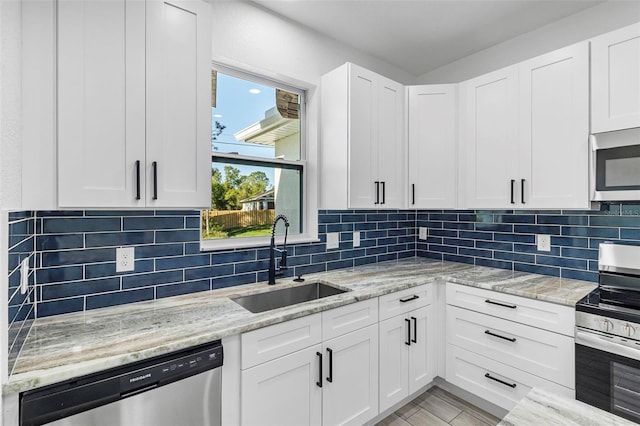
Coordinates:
[251,242]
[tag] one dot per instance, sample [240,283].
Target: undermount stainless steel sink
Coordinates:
[261,302]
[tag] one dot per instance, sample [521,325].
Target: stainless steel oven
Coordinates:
[607,345]
[615,165]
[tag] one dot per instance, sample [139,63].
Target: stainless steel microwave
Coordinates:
[615,165]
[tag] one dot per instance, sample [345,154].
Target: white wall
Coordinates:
[251,35]
[10,104]
[591,22]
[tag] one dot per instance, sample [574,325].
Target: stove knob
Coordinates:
[606,325]
[629,330]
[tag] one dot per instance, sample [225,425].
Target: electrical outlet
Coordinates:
[356,239]
[422,235]
[333,240]
[125,259]
[24,276]
[544,242]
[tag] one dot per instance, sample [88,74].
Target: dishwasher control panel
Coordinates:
[170,371]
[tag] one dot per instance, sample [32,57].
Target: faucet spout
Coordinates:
[273,270]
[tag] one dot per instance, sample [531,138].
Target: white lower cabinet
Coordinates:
[283,391]
[350,386]
[407,356]
[330,382]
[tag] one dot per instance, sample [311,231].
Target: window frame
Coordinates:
[306,208]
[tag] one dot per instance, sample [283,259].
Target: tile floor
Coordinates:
[437,407]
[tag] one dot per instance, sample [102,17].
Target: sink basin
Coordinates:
[280,298]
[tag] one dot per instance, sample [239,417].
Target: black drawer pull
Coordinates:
[413,193]
[415,330]
[409,299]
[319,382]
[511,339]
[383,195]
[408,341]
[501,304]
[377,183]
[522,191]
[330,376]
[489,376]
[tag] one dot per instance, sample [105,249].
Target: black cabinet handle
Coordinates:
[511,339]
[415,330]
[154,168]
[319,382]
[522,190]
[383,195]
[137,179]
[413,193]
[489,376]
[513,181]
[330,376]
[409,299]
[500,304]
[377,192]
[408,341]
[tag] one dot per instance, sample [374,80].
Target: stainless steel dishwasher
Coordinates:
[178,389]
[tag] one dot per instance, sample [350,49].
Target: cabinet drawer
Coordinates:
[536,313]
[498,383]
[277,340]
[336,322]
[403,301]
[540,352]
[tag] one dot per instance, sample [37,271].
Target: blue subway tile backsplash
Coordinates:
[74,251]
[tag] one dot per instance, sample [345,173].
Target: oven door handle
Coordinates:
[604,343]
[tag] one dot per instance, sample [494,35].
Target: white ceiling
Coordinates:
[421,35]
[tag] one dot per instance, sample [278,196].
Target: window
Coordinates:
[257,169]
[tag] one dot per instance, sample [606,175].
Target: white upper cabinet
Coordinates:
[363,147]
[432,146]
[615,80]
[133,104]
[526,133]
[554,130]
[490,114]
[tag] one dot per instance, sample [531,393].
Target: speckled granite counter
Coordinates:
[66,346]
[543,408]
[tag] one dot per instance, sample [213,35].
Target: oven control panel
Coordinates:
[614,326]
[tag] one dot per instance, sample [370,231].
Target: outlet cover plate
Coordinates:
[356,239]
[24,276]
[422,234]
[544,242]
[333,240]
[125,259]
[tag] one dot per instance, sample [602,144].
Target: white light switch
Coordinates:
[24,276]
[125,259]
[356,239]
[422,234]
[333,240]
[544,242]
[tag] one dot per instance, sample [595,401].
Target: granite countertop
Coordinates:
[540,407]
[71,345]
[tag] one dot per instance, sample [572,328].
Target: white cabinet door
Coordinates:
[490,138]
[101,102]
[394,360]
[284,391]
[432,146]
[392,156]
[615,80]
[363,137]
[178,104]
[554,130]
[422,354]
[350,389]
